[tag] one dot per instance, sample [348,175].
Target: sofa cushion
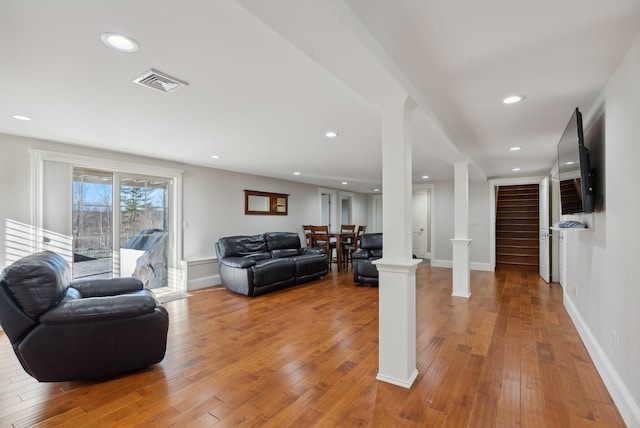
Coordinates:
[268,272]
[367,270]
[282,240]
[371,241]
[284,252]
[258,256]
[377,253]
[240,246]
[311,264]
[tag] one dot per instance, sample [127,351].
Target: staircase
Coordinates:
[517,245]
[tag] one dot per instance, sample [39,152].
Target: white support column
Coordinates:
[397,279]
[461,241]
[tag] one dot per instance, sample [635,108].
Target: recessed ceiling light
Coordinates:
[515,148]
[512,99]
[119,42]
[515,169]
[215,156]
[425,177]
[296,173]
[376,190]
[331,134]
[344,182]
[21,117]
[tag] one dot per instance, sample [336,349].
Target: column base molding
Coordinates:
[398,382]
[397,320]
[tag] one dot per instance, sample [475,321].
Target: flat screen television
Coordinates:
[574,167]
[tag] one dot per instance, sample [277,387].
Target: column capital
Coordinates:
[398,100]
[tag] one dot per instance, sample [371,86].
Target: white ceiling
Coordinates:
[268,78]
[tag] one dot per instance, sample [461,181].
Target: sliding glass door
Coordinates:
[92,224]
[144,229]
[132,240]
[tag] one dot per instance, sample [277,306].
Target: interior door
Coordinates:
[545,270]
[419,225]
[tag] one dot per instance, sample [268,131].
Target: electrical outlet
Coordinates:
[614,340]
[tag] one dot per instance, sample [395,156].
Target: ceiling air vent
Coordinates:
[155,79]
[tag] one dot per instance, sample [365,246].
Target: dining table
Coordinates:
[340,237]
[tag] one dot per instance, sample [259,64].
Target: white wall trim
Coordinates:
[104,163]
[486,267]
[620,394]
[204,282]
[442,263]
[472,265]
[200,273]
[492,208]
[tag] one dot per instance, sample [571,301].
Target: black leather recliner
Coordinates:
[65,330]
[370,249]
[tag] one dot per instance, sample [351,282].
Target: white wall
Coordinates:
[214,207]
[444,225]
[213,199]
[478,224]
[602,289]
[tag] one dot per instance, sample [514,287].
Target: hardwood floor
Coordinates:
[307,356]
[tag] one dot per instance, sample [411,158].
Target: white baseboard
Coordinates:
[204,282]
[620,394]
[202,273]
[442,263]
[473,265]
[486,267]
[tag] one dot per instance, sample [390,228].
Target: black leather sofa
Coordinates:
[63,330]
[258,264]
[370,249]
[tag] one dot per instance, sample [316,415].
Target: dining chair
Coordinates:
[322,240]
[308,234]
[346,240]
[349,248]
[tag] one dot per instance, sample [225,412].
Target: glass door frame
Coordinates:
[177,278]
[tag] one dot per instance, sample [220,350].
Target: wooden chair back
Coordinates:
[361,229]
[322,239]
[308,234]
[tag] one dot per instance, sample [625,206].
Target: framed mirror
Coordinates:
[265,203]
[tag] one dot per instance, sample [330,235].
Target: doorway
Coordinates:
[329,208]
[517,225]
[421,226]
[346,208]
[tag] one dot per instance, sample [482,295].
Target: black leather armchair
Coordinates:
[364,272]
[65,330]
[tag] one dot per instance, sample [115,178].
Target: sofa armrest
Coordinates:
[71,311]
[106,287]
[361,253]
[238,262]
[307,250]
